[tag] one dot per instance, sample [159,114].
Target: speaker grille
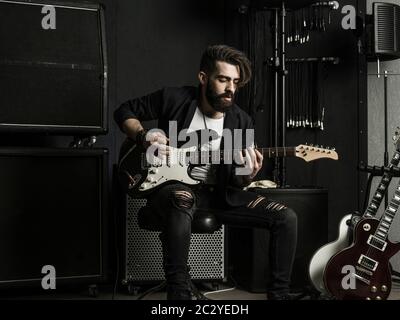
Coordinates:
[144,253]
[52,80]
[387,29]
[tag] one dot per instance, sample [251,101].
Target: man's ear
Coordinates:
[202,77]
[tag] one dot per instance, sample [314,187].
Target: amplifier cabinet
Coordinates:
[143,251]
[53,67]
[53,212]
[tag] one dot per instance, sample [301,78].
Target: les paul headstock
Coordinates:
[310,152]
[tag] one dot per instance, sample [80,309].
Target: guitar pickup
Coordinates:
[377,243]
[367,263]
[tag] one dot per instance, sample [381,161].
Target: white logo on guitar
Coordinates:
[349,280]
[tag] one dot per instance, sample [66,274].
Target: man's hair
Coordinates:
[226,54]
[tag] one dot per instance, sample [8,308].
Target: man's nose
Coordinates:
[230,86]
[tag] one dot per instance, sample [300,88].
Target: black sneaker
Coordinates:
[178,294]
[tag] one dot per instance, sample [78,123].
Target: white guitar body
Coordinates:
[323,255]
[174,168]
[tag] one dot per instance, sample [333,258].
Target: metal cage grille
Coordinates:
[144,253]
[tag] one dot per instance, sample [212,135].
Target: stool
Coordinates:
[204,221]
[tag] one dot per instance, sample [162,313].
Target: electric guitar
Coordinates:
[139,177]
[362,271]
[346,227]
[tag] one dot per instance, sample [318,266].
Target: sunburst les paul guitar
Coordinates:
[140,177]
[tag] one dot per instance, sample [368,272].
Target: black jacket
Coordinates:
[180,104]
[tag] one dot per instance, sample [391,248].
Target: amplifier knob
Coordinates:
[378,298]
[384,288]
[374,289]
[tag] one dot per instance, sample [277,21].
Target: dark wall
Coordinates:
[159,43]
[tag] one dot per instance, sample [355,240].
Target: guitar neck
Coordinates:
[278,152]
[266,152]
[381,190]
[386,221]
[305,152]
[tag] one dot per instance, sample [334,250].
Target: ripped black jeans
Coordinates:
[176,204]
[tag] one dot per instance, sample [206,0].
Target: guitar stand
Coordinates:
[395,274]
[376,171]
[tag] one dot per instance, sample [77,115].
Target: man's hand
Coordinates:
[252,160]
[158,140]
[255,161]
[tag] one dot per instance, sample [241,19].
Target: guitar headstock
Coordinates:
[310,153]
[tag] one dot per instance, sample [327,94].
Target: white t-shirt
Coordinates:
[200,121]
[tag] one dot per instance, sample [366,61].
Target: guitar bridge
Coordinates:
[362,279]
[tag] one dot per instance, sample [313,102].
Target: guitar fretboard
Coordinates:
[228,155]
[380,192]
[386,221]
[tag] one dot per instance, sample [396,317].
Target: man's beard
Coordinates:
[216,101]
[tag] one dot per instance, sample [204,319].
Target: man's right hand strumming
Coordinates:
[134,130]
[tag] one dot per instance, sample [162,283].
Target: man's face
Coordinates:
[221,86]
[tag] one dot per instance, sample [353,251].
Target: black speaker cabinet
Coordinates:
[53,67]
[248,248]
[385,31]
[52,213]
